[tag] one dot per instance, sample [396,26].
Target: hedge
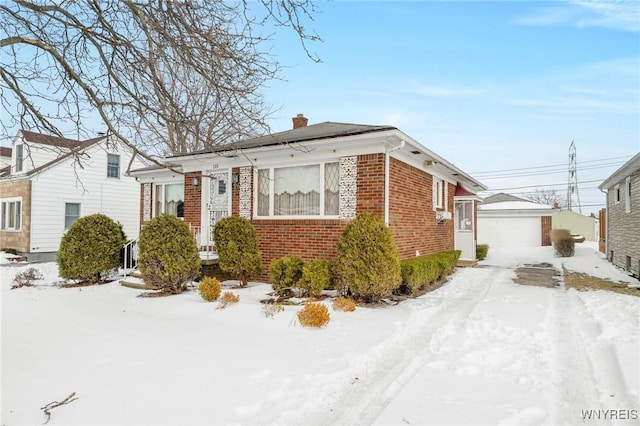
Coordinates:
[419,272]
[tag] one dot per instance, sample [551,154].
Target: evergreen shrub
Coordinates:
[168,256]
[481,251]
[237,242]
[367,263]
[209,289]
[315,277]
[419,272]
[286,273]
[313,315]
[90,249]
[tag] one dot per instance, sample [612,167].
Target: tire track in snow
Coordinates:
[586,373]
[409,348]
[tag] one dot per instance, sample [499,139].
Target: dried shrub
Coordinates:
[285,273]
[270,309]
[481,251]
[344,304]
[237,246]
[90,249]
[563,242]
[227,299]
[313,315]
[367,263]
[315,277]
[26,278]
[168,254]
[209,289]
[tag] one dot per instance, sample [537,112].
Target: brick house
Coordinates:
[301,186]
[50,181]
[623,216]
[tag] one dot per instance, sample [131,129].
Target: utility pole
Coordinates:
[572,185]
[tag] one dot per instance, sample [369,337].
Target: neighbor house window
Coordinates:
[439,196]
[627,196]
[169,198]
[616,194]
[19,158]
[71,214]
[11,214]
[113,165]
[309,190]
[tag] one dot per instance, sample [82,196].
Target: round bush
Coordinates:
[315,277]
[344,304]
[286,272]
[236,242]
[367,263]
[168,256]
[313,315]
[90,249]
[209,289]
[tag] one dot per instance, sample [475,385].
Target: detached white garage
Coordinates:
[508,221]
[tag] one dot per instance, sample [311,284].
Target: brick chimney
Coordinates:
[300,121]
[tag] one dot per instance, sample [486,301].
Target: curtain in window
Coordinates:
[263,192]
[297,191]
[174,199]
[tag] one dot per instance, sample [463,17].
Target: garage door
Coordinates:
[509,231]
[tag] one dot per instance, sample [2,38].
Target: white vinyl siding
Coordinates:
[89,186]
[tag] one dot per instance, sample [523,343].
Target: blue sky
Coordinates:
[491,86]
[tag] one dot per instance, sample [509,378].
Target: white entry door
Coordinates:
[219,194]
[464,229]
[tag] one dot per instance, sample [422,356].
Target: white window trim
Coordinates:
[271,216]
[154,192]
[5,220]
[627,195]
[616,194]
[119,165]
[440,195]
[64,213]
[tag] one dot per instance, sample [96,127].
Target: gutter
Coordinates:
[386,179]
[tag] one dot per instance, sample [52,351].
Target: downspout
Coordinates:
[606,219]
[386,179]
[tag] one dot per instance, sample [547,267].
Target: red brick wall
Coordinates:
[370,183]
[411,217]
[545,223]
[192,199]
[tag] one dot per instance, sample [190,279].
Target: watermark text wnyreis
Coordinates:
[609,414]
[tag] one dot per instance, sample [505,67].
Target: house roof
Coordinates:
[326,130]
[633,165]
[500,197]
[5,151]
[51,140]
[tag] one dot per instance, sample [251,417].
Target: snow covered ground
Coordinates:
[479,350]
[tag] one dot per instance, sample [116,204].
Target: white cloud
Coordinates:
[620,15]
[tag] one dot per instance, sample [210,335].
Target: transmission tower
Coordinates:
[572,186]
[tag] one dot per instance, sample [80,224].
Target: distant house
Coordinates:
[51,181]
[623,216]
[577,223]
[300,187]
[508,221]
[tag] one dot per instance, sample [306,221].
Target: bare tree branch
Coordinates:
[165,77]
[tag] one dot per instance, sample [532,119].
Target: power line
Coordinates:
[547,172]
[490,172]
[546,185]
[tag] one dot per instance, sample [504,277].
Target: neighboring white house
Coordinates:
[577,223]
[53,181]
[508,221]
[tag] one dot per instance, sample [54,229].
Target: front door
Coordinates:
[218,205]
[464,229]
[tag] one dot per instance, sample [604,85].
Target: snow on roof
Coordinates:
[514,205]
